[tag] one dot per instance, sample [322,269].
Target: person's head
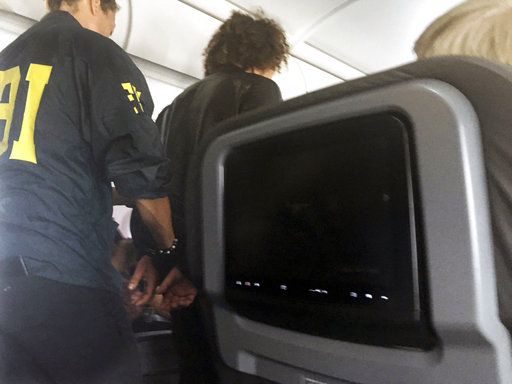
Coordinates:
[481,28]
[96,15]
[253,43]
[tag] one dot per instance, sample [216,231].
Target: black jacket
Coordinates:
[198,109]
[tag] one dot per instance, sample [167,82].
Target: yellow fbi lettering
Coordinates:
[37,76]
[133,96]
[10,77]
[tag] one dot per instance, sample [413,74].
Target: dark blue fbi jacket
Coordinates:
[75,114]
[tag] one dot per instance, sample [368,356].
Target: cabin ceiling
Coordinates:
[332,40]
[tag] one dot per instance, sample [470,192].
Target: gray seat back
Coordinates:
[460,126]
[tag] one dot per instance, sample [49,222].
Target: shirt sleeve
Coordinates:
[125,141]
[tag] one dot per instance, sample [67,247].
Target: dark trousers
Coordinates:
[200,361]
[52,332]
[194,351]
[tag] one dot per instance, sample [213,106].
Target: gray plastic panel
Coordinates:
[475,346]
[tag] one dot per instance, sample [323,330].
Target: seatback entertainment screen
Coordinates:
[320,232]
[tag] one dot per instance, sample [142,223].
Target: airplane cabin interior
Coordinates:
[366,253]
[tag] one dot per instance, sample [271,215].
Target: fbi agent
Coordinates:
[75,115]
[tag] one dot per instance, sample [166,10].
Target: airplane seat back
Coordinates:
[361,233]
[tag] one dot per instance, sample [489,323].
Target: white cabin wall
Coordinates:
[6,37]
[34,9]
[175,37]
[163,94]
[374,35]
[345,38]
[331,40]
[163,83]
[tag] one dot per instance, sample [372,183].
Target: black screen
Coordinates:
[323,215]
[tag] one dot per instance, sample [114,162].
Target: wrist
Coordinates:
[164,259]
[170,251]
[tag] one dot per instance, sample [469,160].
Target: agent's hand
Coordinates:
[178,291]
[143,271]
[129,297]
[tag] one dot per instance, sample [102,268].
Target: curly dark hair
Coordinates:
[248,42]
[106,5]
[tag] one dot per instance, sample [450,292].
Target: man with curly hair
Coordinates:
[240,60]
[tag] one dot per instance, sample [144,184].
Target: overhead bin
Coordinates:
[172,34]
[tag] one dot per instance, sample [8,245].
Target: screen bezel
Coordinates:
[400,322]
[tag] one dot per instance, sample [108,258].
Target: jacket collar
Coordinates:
[60,17]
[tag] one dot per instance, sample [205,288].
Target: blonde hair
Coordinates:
[481,28]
